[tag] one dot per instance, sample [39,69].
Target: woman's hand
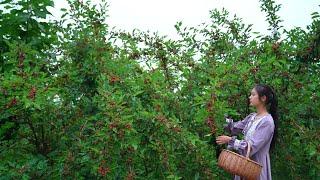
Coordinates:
[223,139]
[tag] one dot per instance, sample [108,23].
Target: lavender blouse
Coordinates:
[259,134]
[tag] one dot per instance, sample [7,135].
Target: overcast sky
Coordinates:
[161,15]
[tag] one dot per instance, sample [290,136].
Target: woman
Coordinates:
[259,129]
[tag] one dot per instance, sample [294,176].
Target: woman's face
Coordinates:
[254,99]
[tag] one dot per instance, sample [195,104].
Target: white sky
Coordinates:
[162,15]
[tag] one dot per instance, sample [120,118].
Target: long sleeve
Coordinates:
[261,136]
[236,127]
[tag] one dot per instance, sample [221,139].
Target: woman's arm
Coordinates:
[261,136]
[236,127]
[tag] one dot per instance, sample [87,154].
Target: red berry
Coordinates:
[130,175]
[176,129]
[209,106]
[103,170]
[13,102]
[32,93]
[21,59]
[128,126]
[112,126]
[113,79]
[275,46]
[161,118]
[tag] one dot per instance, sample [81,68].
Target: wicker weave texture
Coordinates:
[239,165]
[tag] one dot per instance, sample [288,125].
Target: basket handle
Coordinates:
[249,149]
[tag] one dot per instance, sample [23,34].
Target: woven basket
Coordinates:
[239,165]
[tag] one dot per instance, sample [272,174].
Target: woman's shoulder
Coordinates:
[251,114]
[248,117]
[268,120]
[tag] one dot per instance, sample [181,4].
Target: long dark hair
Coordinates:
[272,105]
